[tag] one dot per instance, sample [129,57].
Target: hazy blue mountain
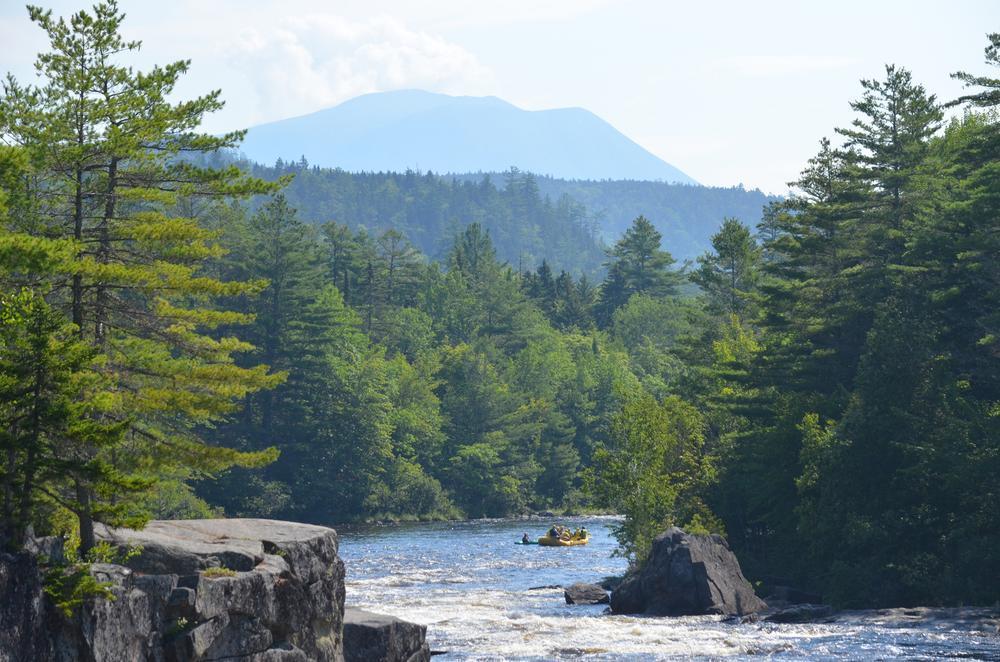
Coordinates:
[412,129]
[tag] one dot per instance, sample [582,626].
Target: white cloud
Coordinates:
[783,65]
[308,62]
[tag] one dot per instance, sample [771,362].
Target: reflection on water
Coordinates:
[469,583]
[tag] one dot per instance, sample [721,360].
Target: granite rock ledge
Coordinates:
[251,590]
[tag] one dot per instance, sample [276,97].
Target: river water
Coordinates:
[470,585]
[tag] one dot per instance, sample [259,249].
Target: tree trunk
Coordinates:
[78,235]
[104,254]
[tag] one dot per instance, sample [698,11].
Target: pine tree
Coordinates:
[645,265]
[111,173]
[637,264]
[332,418]
[989,97]
[51,397]
[730,274]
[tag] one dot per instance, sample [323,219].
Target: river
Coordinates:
[470,584]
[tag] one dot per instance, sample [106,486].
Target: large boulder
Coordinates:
[372,637]
[189,590]
[687,575]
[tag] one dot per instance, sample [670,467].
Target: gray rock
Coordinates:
[22,614]
[611,583]
[586,594]
[181,604]
[687,575]
[242,635]
[372,637]
[48,548]
[129,627]
[803,613]
[283,603]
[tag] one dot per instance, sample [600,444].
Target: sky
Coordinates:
[730,92]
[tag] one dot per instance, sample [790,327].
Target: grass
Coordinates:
[213,573]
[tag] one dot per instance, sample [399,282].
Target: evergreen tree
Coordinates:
[989,97]
[107,145]
[729,275]
[51,395]
[637,265]
[333,408]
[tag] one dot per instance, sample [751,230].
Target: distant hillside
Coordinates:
[687,216]
[429,210]
[416,130]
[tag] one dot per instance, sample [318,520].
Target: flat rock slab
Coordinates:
[188,546]
[370,637]
[586,594]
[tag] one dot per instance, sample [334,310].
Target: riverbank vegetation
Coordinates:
[179,340]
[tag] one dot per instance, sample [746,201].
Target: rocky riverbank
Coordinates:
[250,589]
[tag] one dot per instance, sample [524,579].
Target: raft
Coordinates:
[520,542]
[547,541]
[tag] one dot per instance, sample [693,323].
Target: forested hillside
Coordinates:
[526,226]
[830,399]
[530,218]
[687,216]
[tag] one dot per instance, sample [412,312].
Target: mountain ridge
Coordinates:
[418,130]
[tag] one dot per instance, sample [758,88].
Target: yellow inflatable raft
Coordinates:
[547,541]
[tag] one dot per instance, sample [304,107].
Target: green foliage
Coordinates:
[217,573]
[730,273]
[525,226]
[686,215]
[654,472]
[69,586]
[637,265]
[863,405]
[180,625]
[102,225]
[52,396]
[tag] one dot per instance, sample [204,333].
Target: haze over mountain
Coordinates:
[413,129]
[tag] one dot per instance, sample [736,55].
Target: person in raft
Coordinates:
[524,539]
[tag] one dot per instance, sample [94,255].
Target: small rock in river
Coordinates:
[805,613]
[586,594]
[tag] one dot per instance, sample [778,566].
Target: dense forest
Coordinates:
[829,399]
[530,218]
[526,225]
[687,216]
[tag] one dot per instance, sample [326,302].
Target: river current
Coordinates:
[472,587]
